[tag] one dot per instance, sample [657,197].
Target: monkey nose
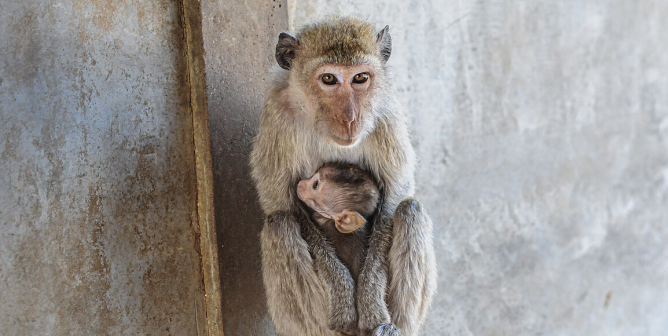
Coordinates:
[349,121]
[301,187]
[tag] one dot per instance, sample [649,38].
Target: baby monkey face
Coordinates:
[318,193]
[340,192]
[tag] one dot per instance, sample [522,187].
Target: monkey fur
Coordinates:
[342,196]
[332,100]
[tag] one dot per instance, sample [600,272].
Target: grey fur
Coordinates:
[349,247]
[385,41]
[309,290]
[285,50]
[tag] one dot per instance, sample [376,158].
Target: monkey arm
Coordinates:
[296,300]
[393,164]
[402,262]
[371,288]
[412,267]
[273,162]
[336,277]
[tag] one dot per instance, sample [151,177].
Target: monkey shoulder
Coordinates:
[390,149]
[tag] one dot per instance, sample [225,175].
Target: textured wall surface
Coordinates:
[542,133]
[97,180]
[239,41]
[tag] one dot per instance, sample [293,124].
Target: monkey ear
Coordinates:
[384,41]
[348,221]
[285,50]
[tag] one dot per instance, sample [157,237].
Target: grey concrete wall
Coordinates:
[97,171]
[542,133]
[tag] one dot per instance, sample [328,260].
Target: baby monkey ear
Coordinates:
[348,221]
[286,50]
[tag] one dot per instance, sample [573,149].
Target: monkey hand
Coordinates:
[386,329]
[342,311]
[343,320]
[371,305]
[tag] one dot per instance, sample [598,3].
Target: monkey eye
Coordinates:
[328,79]
[315,184]
[361,78]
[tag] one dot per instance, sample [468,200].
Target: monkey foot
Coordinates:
[386,329]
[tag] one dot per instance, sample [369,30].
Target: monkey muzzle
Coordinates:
[345,142]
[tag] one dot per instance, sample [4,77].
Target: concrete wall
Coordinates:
[542,133]
[97,171]
[542,130]
[239,39]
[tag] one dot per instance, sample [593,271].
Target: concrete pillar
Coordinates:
[99,222]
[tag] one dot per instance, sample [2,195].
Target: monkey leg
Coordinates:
[337,279]
[306,295]
[296,299]
[412,267]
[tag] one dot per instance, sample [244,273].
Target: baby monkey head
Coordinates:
[341,192]
[337,69]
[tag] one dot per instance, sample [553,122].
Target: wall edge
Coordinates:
[192,21]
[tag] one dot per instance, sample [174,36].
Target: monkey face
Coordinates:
[312,192]
[339,65]
[343,101]
[340,192]
[330,200]
[324,195]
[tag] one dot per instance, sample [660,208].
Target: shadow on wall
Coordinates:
[239,46]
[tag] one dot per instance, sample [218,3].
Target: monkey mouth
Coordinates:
[345,142]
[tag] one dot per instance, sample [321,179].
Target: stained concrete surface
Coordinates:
[239,41]
[542,133]
[541,128]
[97,172]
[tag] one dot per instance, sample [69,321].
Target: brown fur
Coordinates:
[337,40]
[344,187]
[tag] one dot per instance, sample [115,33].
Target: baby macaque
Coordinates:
[342,196]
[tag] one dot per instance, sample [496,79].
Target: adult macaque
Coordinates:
[333,101]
